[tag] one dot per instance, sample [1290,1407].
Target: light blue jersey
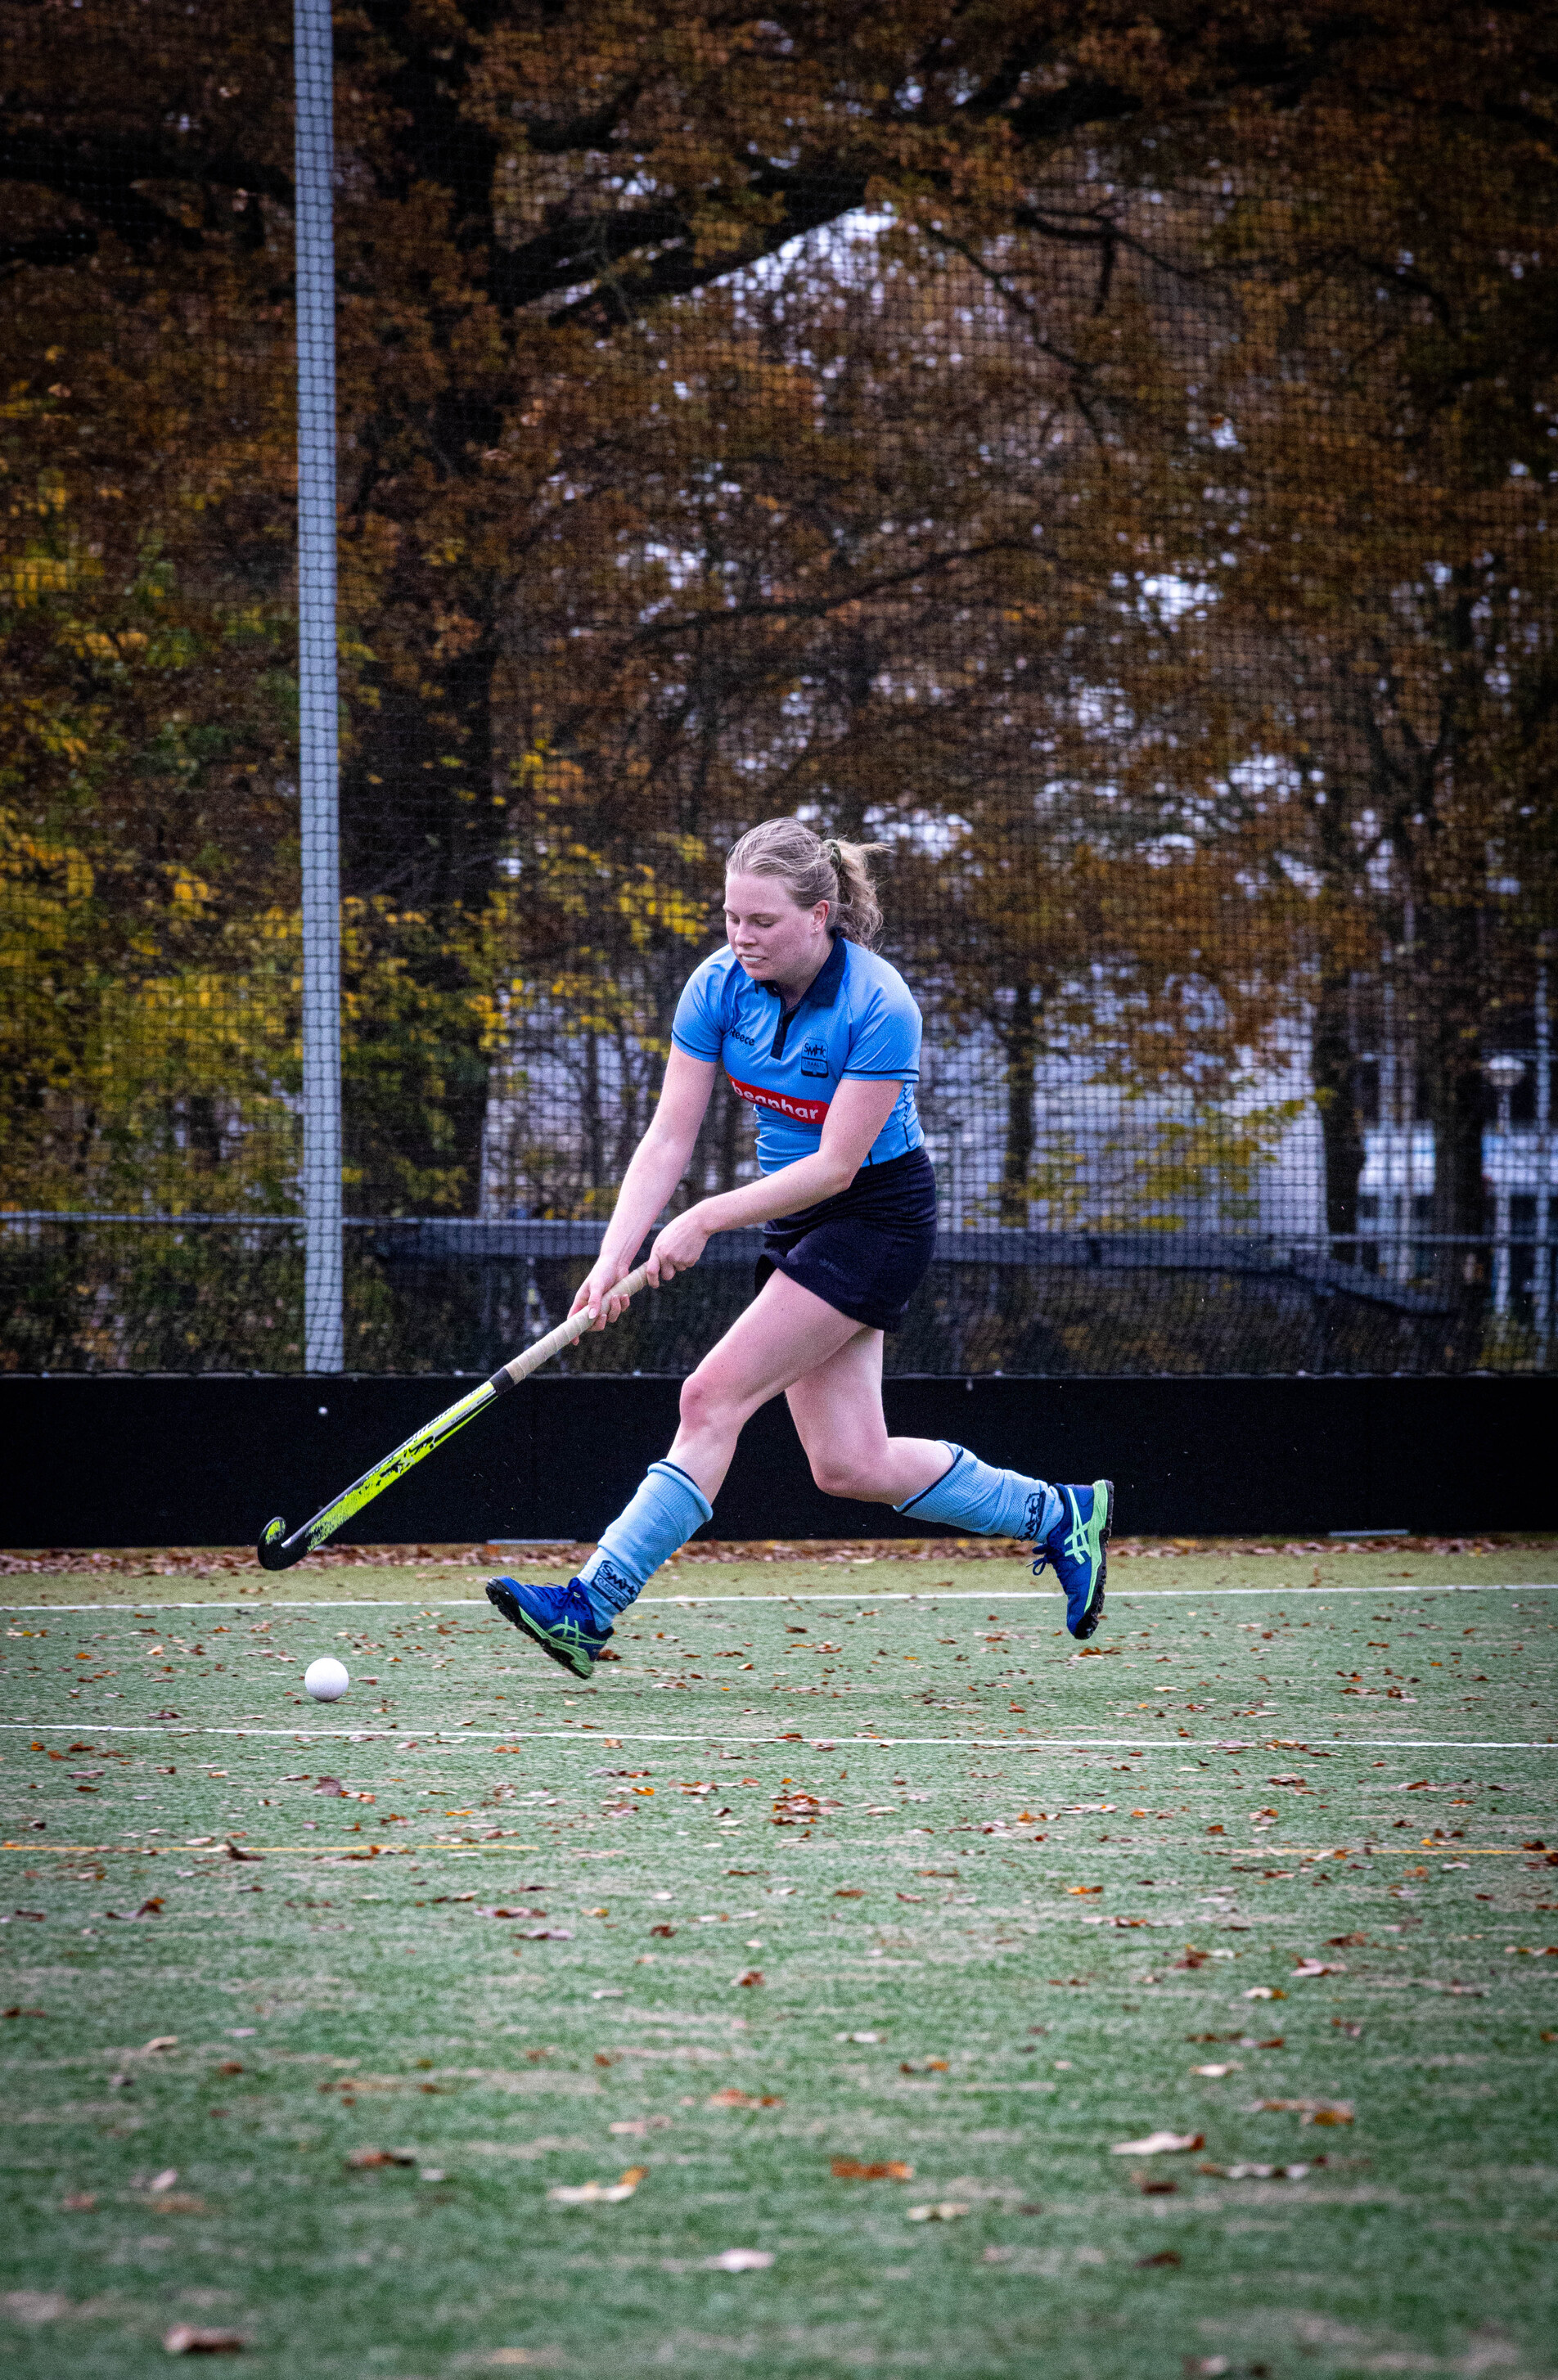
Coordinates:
[856,1022]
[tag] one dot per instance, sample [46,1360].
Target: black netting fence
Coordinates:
[1105,456]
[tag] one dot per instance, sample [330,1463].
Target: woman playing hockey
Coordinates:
[821,1038]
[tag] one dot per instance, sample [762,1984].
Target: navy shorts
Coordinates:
[866,1252]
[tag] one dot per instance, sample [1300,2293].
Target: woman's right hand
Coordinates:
[595,1292]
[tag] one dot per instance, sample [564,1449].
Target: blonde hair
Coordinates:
[815,868]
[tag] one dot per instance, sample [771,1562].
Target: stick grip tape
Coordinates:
[567,1333]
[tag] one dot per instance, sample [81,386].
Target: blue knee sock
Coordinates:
[666,1511]
[975,1496]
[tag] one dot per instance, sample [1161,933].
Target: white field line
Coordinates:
[847,1595]
[460,1849]
[594,1735]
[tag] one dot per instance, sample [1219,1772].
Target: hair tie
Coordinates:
[834,854]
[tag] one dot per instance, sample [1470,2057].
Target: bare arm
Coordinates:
[857,1114]
[657,1165]
[855,1117]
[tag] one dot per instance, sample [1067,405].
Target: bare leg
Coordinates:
[785,1333]
[837,1408]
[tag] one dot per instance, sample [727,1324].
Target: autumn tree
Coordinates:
[1377,445]
[1055,418]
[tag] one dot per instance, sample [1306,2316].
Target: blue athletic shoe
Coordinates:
[1076,1546]
[558,1618]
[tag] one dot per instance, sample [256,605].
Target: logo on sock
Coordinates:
[614,1586]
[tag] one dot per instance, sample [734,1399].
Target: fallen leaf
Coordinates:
[361,2160]
[739,2259]
[233,1853]
[944,2210]
[846,2168]
[185,2339]
[799,1809]
[488,1911]
[1159,2145]
[1164,2257]
[1079,1891]
[1306,1969]
[744,2099]
[664,1932]
[1265,1992]
[1152,2185]
[748,1975]
[1193,1958]
[78,2202]
[599,2193]
[161,2041]
[850,1893]
[1347,1942]
[331,1785]
[1217,2073]
[1313,2111]
[164,2180]
[1205,2367]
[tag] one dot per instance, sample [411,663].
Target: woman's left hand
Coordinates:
[679,1245]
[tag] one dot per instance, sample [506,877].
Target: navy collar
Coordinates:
[823,990]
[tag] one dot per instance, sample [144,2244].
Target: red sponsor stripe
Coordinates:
[776,1102]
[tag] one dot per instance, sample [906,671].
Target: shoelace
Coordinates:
[1076,1546]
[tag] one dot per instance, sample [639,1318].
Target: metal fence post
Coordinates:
[315,147]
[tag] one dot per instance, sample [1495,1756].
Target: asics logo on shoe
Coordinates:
[1077,1549]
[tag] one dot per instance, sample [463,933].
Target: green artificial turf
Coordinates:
[1032,1892]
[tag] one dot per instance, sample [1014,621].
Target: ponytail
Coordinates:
[816,867]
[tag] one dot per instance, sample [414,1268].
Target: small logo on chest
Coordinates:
[814,1058]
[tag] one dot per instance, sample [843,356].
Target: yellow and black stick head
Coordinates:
[274,1550]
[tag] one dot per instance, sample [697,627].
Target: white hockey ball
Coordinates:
[326,1679]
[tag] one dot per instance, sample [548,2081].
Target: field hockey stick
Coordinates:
[278,1551]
